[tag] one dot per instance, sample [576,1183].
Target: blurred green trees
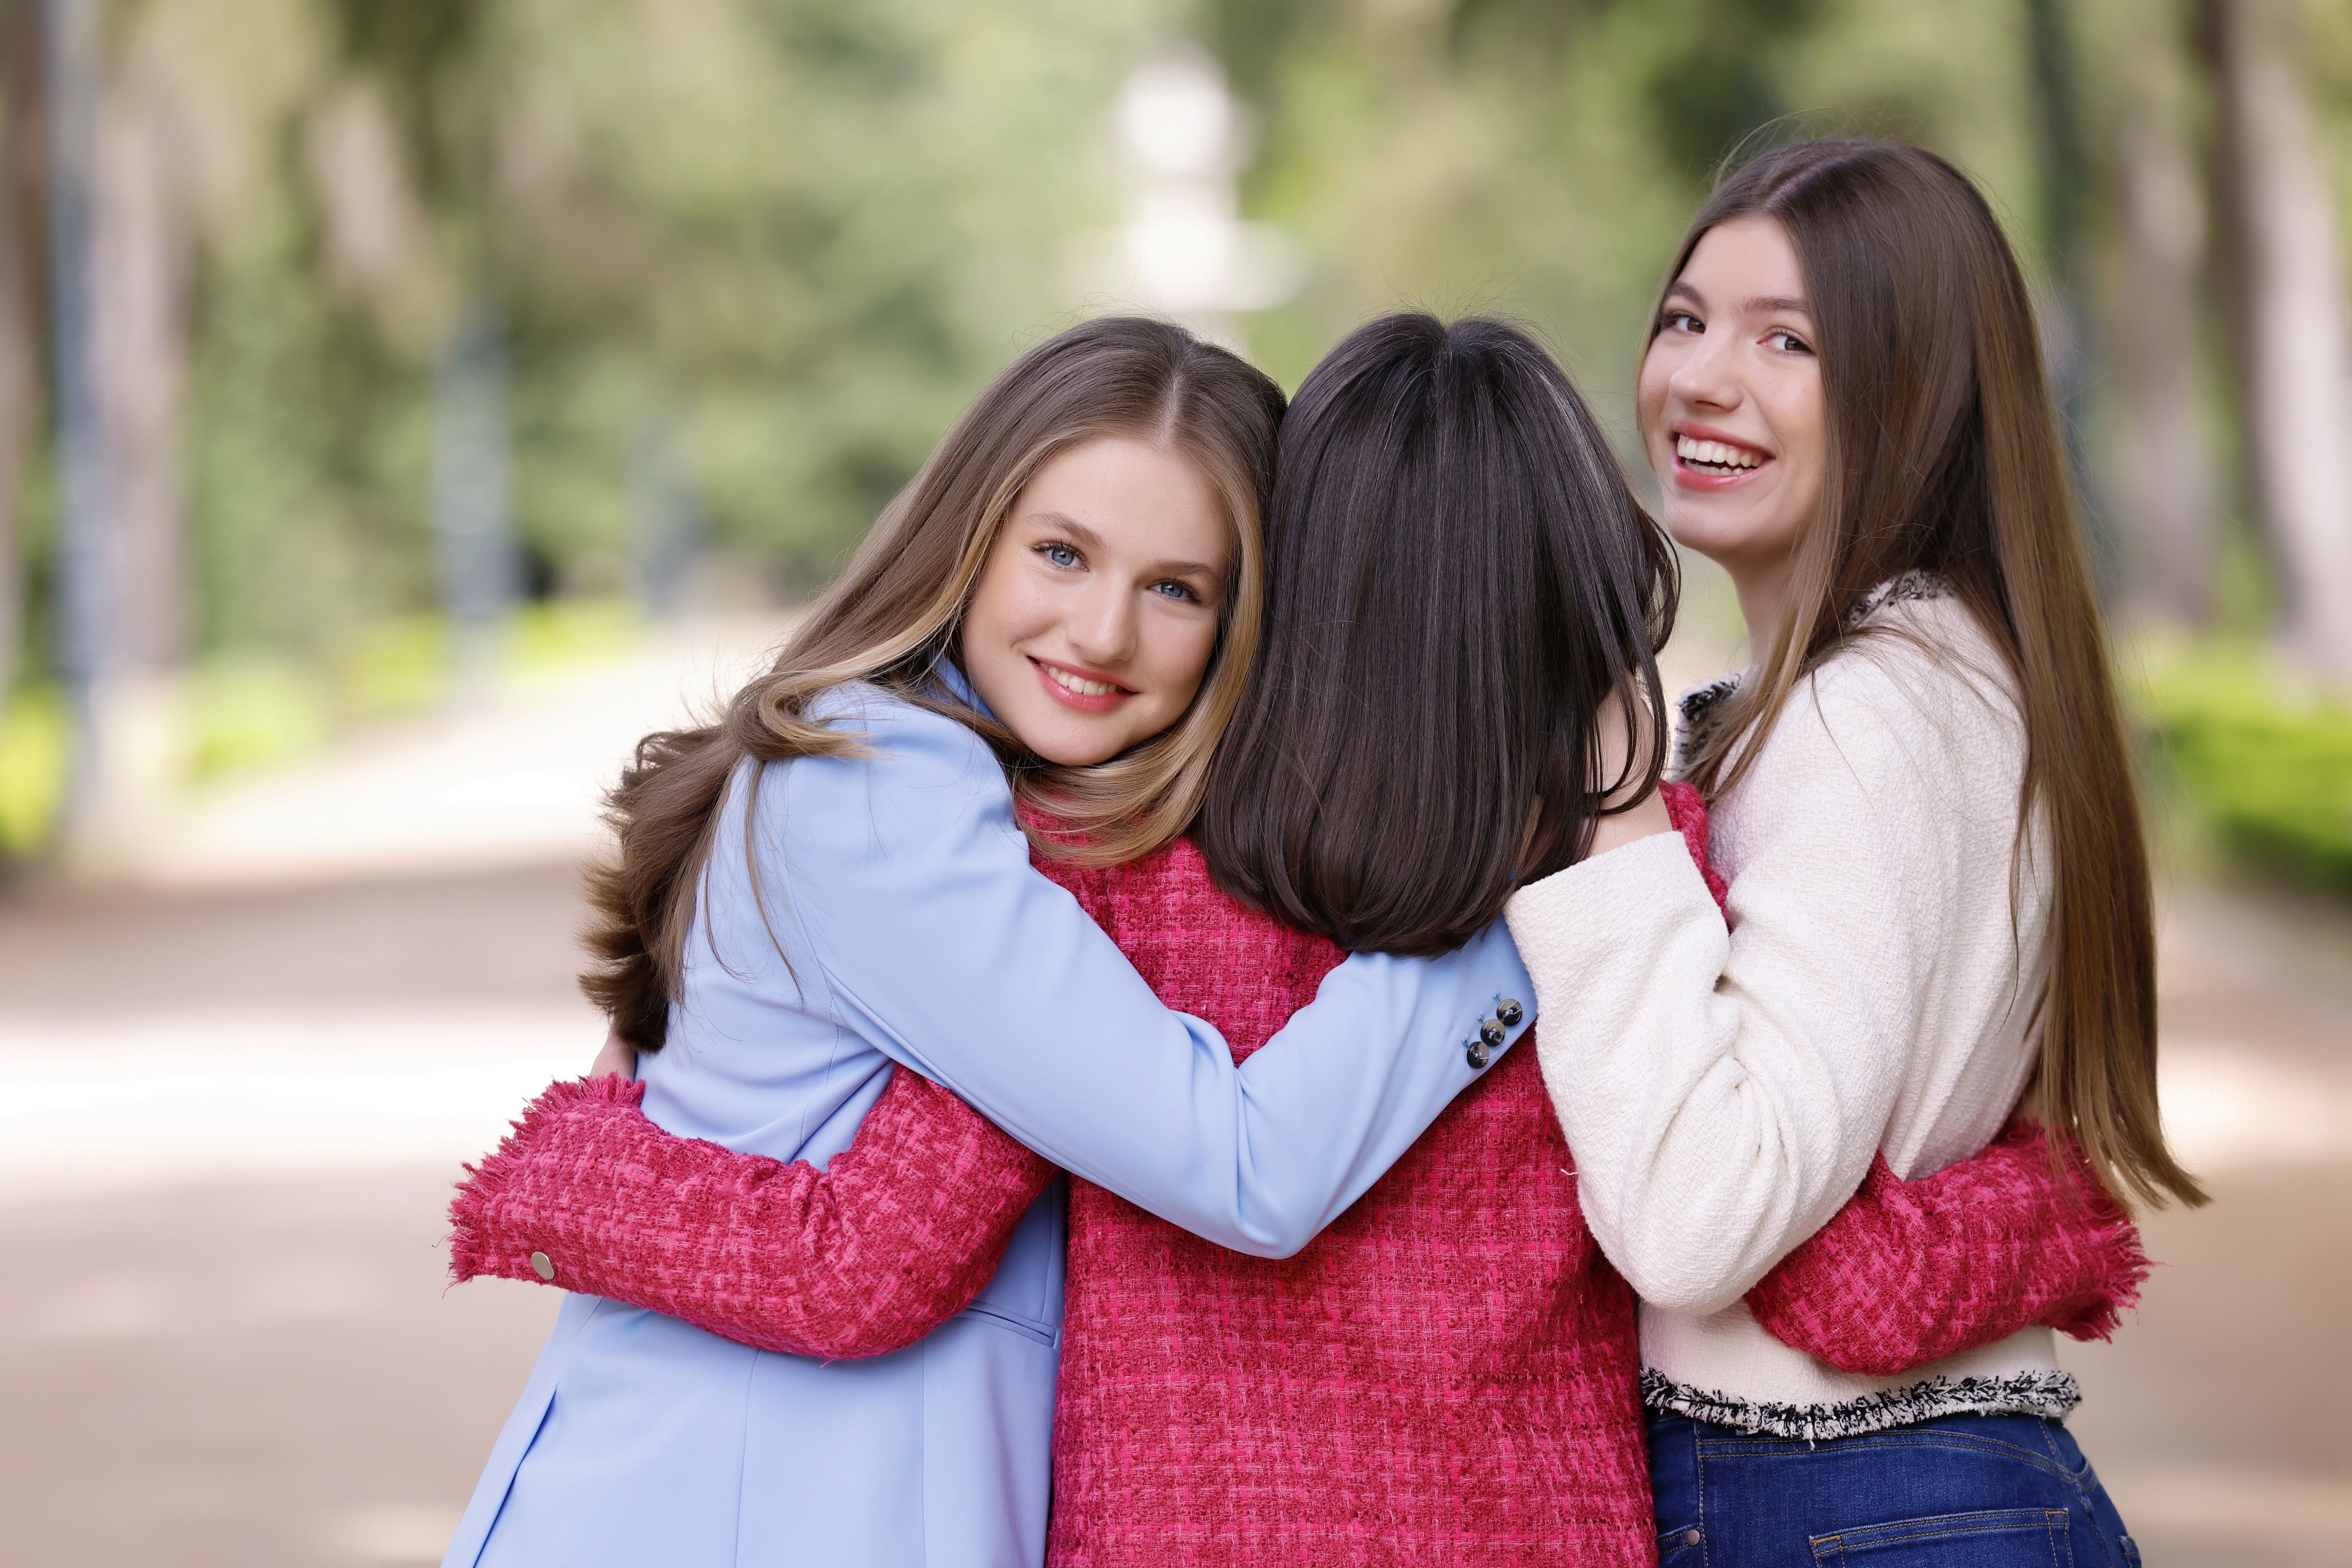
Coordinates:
[2264,769]
[748,257]
[789,237]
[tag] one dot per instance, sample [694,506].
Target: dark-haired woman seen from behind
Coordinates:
[1939,891]
[1448,1373]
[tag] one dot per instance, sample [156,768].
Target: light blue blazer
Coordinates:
[895,918]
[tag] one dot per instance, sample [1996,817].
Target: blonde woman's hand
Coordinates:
[615,1060]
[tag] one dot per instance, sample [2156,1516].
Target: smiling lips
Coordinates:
[1706,463]
[1085,693]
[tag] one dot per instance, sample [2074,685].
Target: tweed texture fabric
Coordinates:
[1448,1373]
[896,1235]
[1686,809]
[1996,1240]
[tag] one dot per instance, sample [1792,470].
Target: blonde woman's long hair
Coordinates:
[894,617]
[1944,457]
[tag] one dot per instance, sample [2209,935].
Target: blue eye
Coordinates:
[1175,590]
[1061,555]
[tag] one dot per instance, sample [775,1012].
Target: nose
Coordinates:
[1708,376]
[1102,626]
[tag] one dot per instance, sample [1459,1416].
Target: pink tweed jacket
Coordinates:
[1448,1373]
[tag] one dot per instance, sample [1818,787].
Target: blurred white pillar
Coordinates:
[119,263]
[70,75]
[1187,252]
[666,525]
[140,260]
[472,504]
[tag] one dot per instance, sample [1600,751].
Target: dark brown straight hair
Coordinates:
[1459,579]
[1946,458]
[896,614]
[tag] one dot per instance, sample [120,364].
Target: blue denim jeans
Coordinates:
[1964,1491]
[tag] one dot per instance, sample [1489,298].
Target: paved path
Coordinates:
[234,1112]
[229,1134]
[510,778]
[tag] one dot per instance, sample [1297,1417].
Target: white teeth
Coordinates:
[1069,682]
[1715,454]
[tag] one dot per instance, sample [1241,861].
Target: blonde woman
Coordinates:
[1060,609]
[1940,902]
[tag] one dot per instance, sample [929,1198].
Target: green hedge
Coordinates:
[33,741]
[2265,770]
[248,711]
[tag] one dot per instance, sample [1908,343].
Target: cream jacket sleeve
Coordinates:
[1723,1091]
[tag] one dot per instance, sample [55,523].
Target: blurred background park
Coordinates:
[403,404]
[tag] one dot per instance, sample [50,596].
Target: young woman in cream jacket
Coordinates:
[1939,905]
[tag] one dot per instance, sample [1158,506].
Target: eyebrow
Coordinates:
[1067,524]
[1085,535]
[1761,304]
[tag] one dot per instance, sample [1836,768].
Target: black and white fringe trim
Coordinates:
[1908,588]
[2048,1394]
[1702,710]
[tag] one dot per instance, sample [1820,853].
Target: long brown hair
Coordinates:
[1944,457]
[1462,580]
[895,616]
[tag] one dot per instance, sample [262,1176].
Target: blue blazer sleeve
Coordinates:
[905,876]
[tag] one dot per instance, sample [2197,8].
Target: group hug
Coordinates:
[1208,1009]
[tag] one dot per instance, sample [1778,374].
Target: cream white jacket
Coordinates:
[1723,1090]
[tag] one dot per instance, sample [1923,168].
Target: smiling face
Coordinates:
[1096,612]
[1733,412]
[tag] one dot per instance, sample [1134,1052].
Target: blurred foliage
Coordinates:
[793,236]
[782,241]
[390,666]
[799,233]
[1540,158]
[2267,774]
[553,637]
[250,707]
[33,736]
[247,708]
[788,239]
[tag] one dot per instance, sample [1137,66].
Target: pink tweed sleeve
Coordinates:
[1686,809]
[895,1236]
[1911,1272]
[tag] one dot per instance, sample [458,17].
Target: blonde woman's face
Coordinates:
[1096,612]
[1733,413]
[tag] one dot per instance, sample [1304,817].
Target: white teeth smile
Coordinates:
[1068,682]
[1715,454]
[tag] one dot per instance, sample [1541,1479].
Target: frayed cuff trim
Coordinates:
[2048,1394]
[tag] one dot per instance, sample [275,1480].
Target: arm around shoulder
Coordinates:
[895,1236]
[944,948]
[1911,1272]
[1725,1091]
